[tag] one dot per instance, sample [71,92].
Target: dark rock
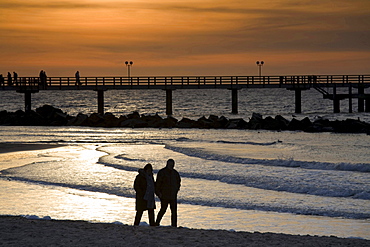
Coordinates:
[59,119]
[54,116]
[257,116]
[134,123]
[213,122]
[3,114]
[169,122]
[79,120]
[204,123]
[153,121]
[294,124]
[110,120]
[270,123]
[6,119]
[121,119]
[223,121]
[237,124]
[48,111]
[186,123]
[304,124]
[256,121]
[282,122]
[19,113]
[95,120]
[32,118]
[350,126]
[134,115]
[213,118]
[322,122]
[320,125]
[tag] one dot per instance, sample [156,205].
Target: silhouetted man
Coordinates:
[77,75]
[15,75]
[167,186]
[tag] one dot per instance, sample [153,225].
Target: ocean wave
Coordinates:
[251,143]
[198,153]
[278,208]
[215,202]
[185,139]
[122,157]
[271,183]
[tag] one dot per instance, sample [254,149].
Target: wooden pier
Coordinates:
[321,83]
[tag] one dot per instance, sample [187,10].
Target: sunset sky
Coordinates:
[184,37]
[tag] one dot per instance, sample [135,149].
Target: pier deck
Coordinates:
[29,85]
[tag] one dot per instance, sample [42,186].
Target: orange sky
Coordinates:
[184,37]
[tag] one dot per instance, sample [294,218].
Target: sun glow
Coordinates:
[188,37]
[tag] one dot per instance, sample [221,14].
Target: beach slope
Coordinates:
[19,231]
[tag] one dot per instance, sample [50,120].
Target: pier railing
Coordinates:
[183,82]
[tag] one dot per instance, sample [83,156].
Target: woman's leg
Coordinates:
[138,215]
[151,217]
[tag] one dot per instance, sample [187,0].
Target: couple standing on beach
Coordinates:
[166,188]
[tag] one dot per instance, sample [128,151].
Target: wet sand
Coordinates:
[18,231]
[16,147]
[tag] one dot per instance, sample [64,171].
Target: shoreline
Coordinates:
[19,231]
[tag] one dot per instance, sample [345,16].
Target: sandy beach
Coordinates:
[18,231]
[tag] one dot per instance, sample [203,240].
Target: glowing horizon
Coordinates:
[184,37]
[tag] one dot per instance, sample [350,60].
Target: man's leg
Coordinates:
[164,205]
[173,207]
[138,215]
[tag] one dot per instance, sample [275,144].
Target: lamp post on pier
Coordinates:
[128,65]
[260,64]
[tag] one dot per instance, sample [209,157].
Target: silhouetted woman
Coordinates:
[144,187]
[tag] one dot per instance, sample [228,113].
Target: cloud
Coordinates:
[36,4]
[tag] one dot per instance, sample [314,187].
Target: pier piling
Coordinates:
[101,101]
[336,100]
[298,101]
[168,102]
[27,100]
[234,101]
[350,98]
[361,91]
[27,91]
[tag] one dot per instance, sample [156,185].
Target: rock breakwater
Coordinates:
[50,116]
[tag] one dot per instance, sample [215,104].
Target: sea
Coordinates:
[238,180]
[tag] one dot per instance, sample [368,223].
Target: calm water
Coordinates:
[291,182]
[188,103]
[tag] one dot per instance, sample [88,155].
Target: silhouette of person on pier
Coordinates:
[15,76]
[43,78]
[10,83]
[77,75]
